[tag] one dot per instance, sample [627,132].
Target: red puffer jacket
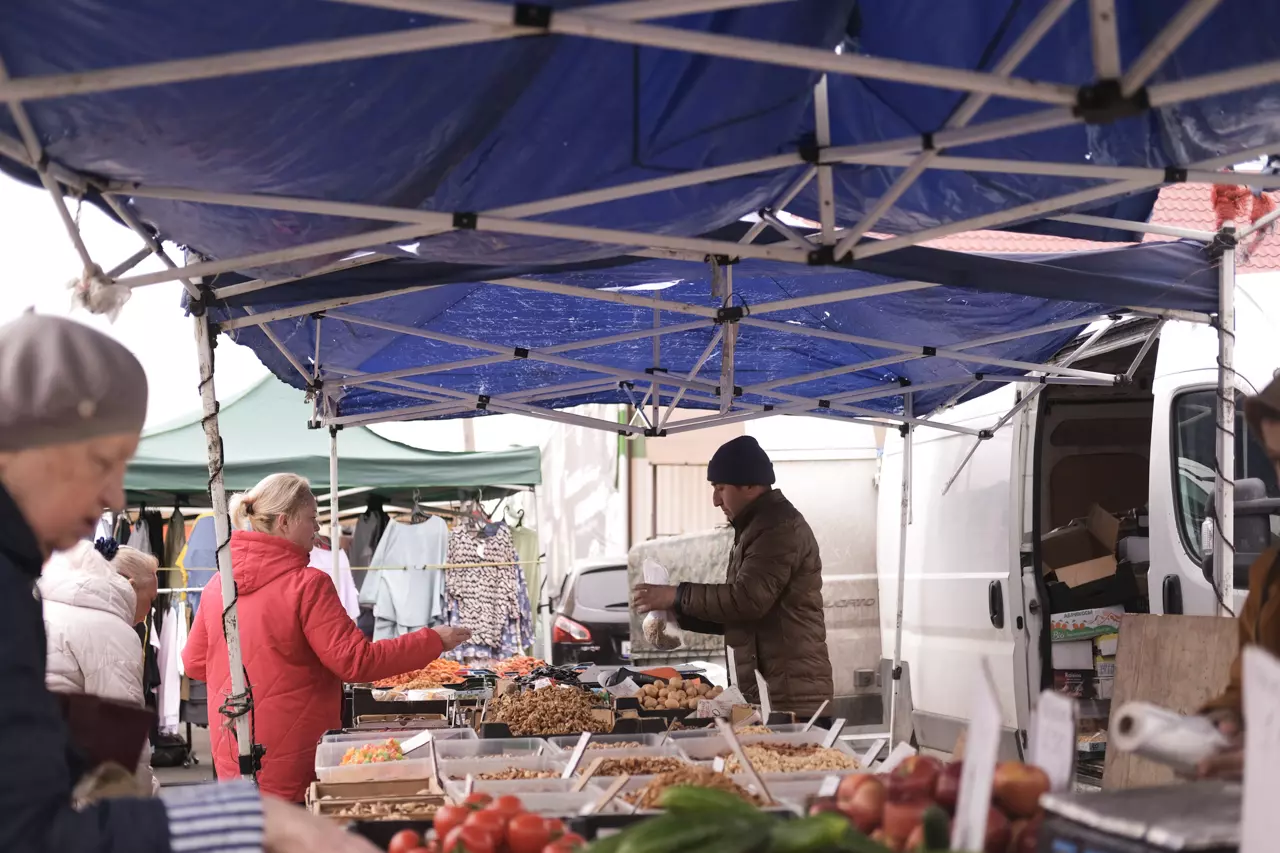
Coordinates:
[298,646]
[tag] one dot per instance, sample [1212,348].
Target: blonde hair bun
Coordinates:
[262,506]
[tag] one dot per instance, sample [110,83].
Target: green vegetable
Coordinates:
[688,799]
[821,832]
[671,833]
[937,829]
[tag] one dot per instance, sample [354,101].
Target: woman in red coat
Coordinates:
[297,642]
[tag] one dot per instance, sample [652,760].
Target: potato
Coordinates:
[651,690]
[715,692]
[672,704]
[699,689]
[693,704]
[664,693]
[675,682]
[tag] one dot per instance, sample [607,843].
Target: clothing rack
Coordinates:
[179,589]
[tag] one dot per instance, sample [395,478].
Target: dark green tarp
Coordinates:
[265,430]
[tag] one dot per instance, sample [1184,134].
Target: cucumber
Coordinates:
[688,799]
[937,829]
[820,832]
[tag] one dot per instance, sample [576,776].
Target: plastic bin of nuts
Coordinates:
[504,767]
[789,753]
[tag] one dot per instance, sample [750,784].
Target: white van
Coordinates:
[973,587]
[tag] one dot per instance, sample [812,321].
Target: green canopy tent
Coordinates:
[264,431]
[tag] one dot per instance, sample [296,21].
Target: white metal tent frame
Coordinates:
[1116,92]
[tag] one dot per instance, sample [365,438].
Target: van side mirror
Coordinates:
[1253,511]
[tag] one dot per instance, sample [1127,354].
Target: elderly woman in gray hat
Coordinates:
[72,404]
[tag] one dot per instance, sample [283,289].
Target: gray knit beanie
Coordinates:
[61,381]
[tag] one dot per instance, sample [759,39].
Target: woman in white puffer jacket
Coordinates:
[90,609]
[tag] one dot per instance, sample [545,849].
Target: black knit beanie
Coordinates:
[741,462]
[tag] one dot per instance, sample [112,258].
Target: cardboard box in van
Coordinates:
[1083,551]
[1085,624]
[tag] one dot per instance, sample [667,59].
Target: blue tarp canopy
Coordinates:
[613,146]
[982,296]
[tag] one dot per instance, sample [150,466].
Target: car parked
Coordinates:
[592,620]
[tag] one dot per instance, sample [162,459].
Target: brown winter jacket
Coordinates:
[769,608]
[1259,624]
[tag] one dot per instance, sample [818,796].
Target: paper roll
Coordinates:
[1165,736]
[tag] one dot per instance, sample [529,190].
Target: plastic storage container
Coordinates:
[481,747]
[635,783]
[456,789]
[708,748]
[460,768]
[437,735]
[566,743]
[329,766]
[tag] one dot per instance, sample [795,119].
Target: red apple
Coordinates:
[947,793]
[1017,788]
[914,779]
[862,798]
[1025,835]
[998,832]
[902,818]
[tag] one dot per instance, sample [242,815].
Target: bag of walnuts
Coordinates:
[659,627]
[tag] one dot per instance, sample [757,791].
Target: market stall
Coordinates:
[845,114]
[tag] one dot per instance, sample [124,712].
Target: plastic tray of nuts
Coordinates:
[709,748]
[566,743]
[456,789]
[644,761]
[437,735]
[519,766]
[482,747]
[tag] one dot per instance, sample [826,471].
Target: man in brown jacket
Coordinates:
[770,606]
[1259,622]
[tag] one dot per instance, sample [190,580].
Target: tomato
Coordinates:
[528,833]
[555,827]
[494,823]
[477,800]
[448,817]
[404,841]
[507,805]
[567,843]
[469,839]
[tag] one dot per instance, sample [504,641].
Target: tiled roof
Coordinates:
[1181,205]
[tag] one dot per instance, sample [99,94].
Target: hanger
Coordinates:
[519,516]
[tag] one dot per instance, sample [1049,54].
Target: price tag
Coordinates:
[982,747]
[541,683]
[766,707]
[834,734]
[896,756]
[829,786]
[1053,739]
[575,757]
[718,764]
[731,664]
[1260,824]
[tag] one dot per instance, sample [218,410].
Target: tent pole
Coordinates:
[904,517]
[239,704]
[335,530]
[1224,485]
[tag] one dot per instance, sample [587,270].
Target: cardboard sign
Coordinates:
[982,748]
[1053,739]
[1260,822]
[766,707]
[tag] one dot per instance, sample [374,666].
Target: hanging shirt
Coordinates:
[405,600]
[490,600]
[322,559]
[173,638]
[368,533]
[175,539]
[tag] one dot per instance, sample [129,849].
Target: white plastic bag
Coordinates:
[660,628]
